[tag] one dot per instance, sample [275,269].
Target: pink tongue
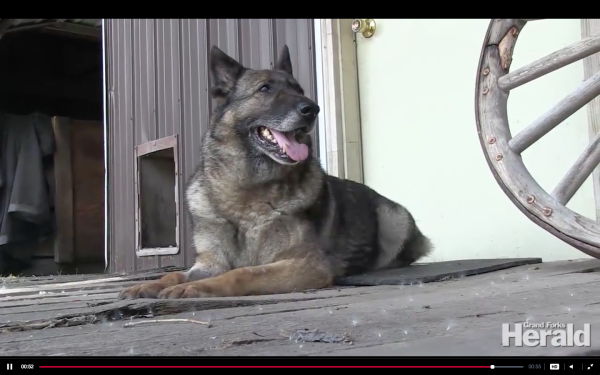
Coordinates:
[296,151]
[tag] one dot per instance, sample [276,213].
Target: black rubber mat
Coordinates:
[430,272]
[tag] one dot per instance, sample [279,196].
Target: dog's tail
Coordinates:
[417,247]
[401,242]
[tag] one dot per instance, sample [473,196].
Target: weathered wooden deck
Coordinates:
[78,315]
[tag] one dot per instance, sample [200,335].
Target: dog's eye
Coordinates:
[265,88]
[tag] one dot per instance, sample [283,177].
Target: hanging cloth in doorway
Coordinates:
[24,199]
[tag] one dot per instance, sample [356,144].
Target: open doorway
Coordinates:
[52,190]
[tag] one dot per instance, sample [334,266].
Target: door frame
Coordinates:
[337,87]
[105,113]
[590,64]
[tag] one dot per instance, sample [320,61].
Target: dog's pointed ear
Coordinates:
[284,63]
[225,72]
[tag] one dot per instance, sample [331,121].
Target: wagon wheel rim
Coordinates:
[503,151]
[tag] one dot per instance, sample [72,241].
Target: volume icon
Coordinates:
[9,366]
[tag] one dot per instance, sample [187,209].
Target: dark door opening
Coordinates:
[52,188]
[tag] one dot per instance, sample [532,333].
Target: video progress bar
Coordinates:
[146,367]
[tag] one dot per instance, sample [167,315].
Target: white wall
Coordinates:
[420,145]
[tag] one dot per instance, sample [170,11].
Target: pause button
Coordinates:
[9,366]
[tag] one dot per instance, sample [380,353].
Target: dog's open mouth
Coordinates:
[282,146]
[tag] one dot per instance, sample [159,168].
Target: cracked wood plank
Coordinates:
[84,312]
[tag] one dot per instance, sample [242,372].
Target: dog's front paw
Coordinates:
[146,290]
[190,290]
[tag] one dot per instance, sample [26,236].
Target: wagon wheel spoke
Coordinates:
[571,103]
[578,173]
[550,63]
[503,151]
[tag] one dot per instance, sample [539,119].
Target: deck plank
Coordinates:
[458,317]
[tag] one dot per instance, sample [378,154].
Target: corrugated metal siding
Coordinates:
[158,85]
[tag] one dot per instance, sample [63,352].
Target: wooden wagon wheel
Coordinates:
[503,151]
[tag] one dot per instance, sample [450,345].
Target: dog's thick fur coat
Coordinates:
[266,217]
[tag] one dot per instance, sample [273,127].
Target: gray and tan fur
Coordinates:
[266,217]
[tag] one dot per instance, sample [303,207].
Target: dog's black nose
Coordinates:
[308,109]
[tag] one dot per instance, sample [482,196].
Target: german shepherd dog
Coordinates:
[266,217]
